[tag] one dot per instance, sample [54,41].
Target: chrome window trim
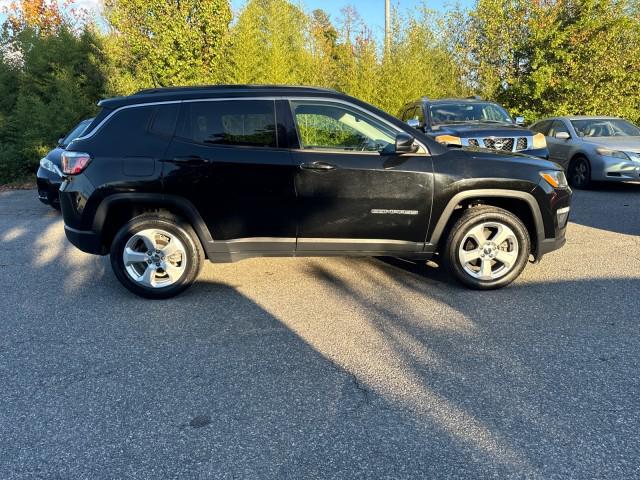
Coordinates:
[124,107]
[248,98]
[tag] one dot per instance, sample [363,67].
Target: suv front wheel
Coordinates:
[487,248]
[156,257]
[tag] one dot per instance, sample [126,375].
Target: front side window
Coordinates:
[414,113]
[557,127]
[605,128]
[464,112]
[541,127]
[331,126]
[407,114]
[230,122]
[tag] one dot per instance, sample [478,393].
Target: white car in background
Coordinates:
[593,148]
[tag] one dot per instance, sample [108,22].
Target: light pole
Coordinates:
[387,24]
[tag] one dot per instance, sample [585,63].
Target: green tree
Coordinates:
[552,57]
[173,42]
[52,83]
[581,57]
[417,63]
[270,44]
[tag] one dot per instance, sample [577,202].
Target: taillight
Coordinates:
[74,162]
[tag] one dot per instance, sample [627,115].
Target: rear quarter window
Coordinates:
[128,133]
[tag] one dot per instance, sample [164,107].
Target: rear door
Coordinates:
[230,159]
[353,195]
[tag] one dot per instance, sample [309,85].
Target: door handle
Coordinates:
[324,166]
[191,160]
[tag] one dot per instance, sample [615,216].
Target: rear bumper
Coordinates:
[87,241]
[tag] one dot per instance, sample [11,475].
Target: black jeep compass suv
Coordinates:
[166,178]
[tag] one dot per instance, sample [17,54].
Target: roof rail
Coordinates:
[151,91]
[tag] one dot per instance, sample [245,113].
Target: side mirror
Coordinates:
[520,121]
[562,136]
[413,123]
[60,140]
[405,143]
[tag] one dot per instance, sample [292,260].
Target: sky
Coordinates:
[371,11]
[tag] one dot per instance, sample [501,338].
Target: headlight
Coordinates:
[607,152]
[448,140]
[555,178]
[47,164]
[539,141]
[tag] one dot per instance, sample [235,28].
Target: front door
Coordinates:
[354,194]
[558,148]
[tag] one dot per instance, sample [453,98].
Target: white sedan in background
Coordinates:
[593,148]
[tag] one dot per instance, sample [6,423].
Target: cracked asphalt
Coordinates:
[322,368]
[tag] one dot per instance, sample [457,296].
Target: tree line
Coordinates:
[536,57]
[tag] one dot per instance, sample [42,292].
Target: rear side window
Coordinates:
[230,122]
[164,119]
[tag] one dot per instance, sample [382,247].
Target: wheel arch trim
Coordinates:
[179,205]
[480,194]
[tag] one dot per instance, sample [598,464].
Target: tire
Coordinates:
[174,264]
[491,263]
[579,173]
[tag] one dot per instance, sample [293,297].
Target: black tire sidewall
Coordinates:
[470,220]
[183,232]
[572,168]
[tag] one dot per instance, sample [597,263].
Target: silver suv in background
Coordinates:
[593,148]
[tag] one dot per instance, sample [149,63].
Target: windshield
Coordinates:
[76,132]
[602,127]
[443,113]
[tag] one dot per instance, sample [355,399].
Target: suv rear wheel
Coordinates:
[487,248]
[156,256]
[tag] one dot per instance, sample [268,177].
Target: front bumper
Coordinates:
[550,244]
[615,170]
[555,205]
[538,152]
[48,187]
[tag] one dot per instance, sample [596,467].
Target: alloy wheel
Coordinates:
[488,251]
[154,258]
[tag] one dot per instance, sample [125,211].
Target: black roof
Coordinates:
[211,91]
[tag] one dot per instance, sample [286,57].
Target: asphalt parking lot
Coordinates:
[322,368]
